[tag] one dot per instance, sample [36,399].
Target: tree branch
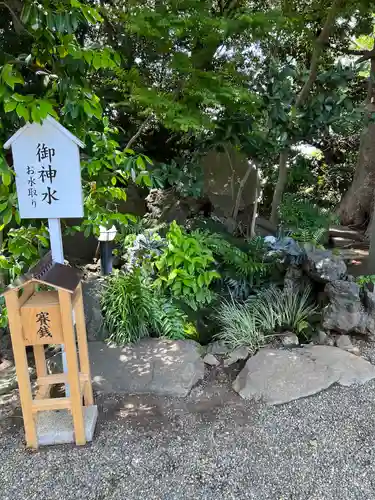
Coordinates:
[18,26]
[371,81]
[365,54]
[239,192]
[280,186]
[320,42]
[139,131]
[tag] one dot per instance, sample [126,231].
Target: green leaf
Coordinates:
[4,262]
[10,106]
[88,55]
[6,178]
[23,112]
[87,108]
[97,61]
[140,163]
[45,108]
[7,217]
[35,115]
[22,98]
[26,13]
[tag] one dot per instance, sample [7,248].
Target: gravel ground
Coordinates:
[211,445]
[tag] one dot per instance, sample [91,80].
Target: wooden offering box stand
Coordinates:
[39,317]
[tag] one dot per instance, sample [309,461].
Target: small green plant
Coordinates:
[185,269]
[270,312]
[365,279]
[144,249]
[132,309]
[278,310]
[305,221]
[238,326]
[242,271]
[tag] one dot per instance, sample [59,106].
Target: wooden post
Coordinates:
[40,360]
[82,345]
[20,358]
[73,370]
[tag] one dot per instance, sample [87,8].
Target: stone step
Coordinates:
[346,233]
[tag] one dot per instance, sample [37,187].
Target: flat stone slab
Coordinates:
[56,427]
[278,376]
[157,366]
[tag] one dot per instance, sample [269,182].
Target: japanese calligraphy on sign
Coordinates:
[47,166]
[43,320]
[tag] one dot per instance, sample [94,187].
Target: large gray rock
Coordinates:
[167,206]
[279,376]
[223,172]
[345,312]
[295,279]
[95,326]
[164,367]
[323,266]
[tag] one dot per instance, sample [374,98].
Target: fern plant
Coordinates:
[303,220]
[241,270]
[313,236]
[132,309]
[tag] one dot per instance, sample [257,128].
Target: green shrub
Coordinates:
[132,309]
[365,279]
[244,270]
[185,269]
[270,312]
[305,221]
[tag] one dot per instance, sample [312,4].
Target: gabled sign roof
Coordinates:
[48,272]
[53,122]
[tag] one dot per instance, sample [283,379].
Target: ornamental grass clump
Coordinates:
[132,309]
[271,311]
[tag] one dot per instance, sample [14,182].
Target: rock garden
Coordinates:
[279,315]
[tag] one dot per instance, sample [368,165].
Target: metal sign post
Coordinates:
[48,178]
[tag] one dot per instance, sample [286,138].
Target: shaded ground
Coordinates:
[211,445]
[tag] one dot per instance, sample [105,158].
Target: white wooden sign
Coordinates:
[48,173]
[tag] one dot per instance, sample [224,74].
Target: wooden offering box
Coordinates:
[41,307]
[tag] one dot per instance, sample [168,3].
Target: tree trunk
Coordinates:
[357,204]
[255,206]
[241,186]
[280,186]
